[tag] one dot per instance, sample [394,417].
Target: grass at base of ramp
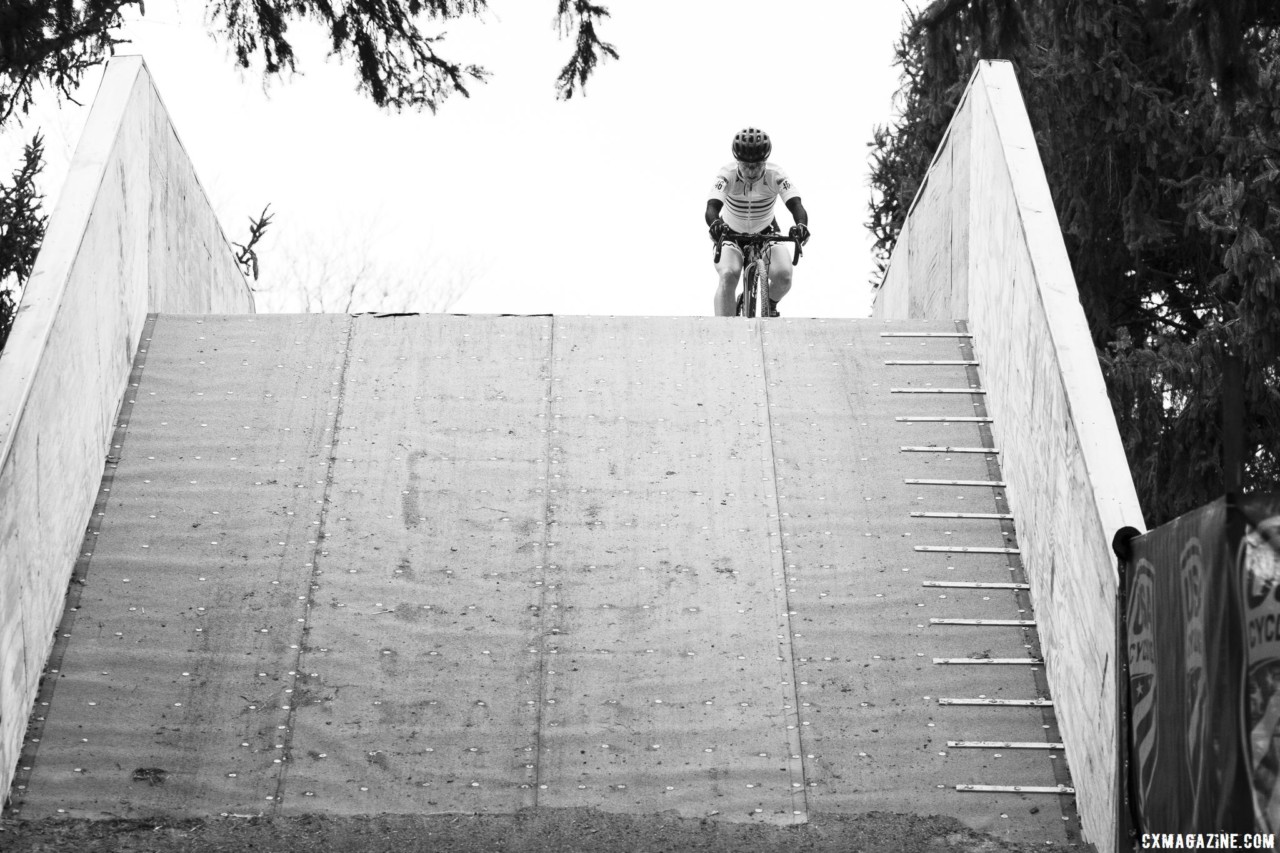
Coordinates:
[528,831]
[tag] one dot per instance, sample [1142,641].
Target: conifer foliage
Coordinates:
[1158,122]
[588,48]
[398,63]
[53,42]
[21,230]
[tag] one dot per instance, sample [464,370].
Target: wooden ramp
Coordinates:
[420,564]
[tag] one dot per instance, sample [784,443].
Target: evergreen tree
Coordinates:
[397,63]
[21,230]
[1158,122]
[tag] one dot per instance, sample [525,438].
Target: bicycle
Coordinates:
[754,299]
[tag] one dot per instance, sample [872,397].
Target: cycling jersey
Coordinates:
[748,207]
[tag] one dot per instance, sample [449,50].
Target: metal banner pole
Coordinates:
[1124,836]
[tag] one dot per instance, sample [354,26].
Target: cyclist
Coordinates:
[742,200]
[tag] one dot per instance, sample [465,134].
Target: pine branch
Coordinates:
[21,222]
[22,228]
[588,49]
[58,45]
[398,64]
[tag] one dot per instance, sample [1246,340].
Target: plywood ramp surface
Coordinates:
[473,564]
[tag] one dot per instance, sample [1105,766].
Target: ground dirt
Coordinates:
[529,831]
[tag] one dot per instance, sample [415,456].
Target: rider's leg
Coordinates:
[779,271]
[727,272]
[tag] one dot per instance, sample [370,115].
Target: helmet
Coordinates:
[752,145]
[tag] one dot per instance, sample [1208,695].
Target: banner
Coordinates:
[1185,644]
[1259,559]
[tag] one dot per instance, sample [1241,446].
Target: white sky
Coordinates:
[591,206]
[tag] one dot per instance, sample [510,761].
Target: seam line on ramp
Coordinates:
[28,753]
[543,628]
[782,604]
[287,753]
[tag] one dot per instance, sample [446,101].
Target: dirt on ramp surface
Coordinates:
[527,831]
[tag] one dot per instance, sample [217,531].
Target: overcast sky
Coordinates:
[516,201]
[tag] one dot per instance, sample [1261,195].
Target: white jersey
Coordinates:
[748,206]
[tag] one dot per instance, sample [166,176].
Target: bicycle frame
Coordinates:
[755,267]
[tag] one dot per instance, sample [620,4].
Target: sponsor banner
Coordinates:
[1259,559]
[1185,648]
[1141,644]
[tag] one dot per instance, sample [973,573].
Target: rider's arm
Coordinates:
[798,213]
[713,210]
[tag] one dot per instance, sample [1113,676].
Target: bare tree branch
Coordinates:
[348,274]
[247,257]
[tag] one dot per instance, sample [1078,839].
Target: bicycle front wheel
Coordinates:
[760,289]
[747,301]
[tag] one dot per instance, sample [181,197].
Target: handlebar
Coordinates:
[764,239]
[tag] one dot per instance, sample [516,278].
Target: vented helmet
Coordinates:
[752,146]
